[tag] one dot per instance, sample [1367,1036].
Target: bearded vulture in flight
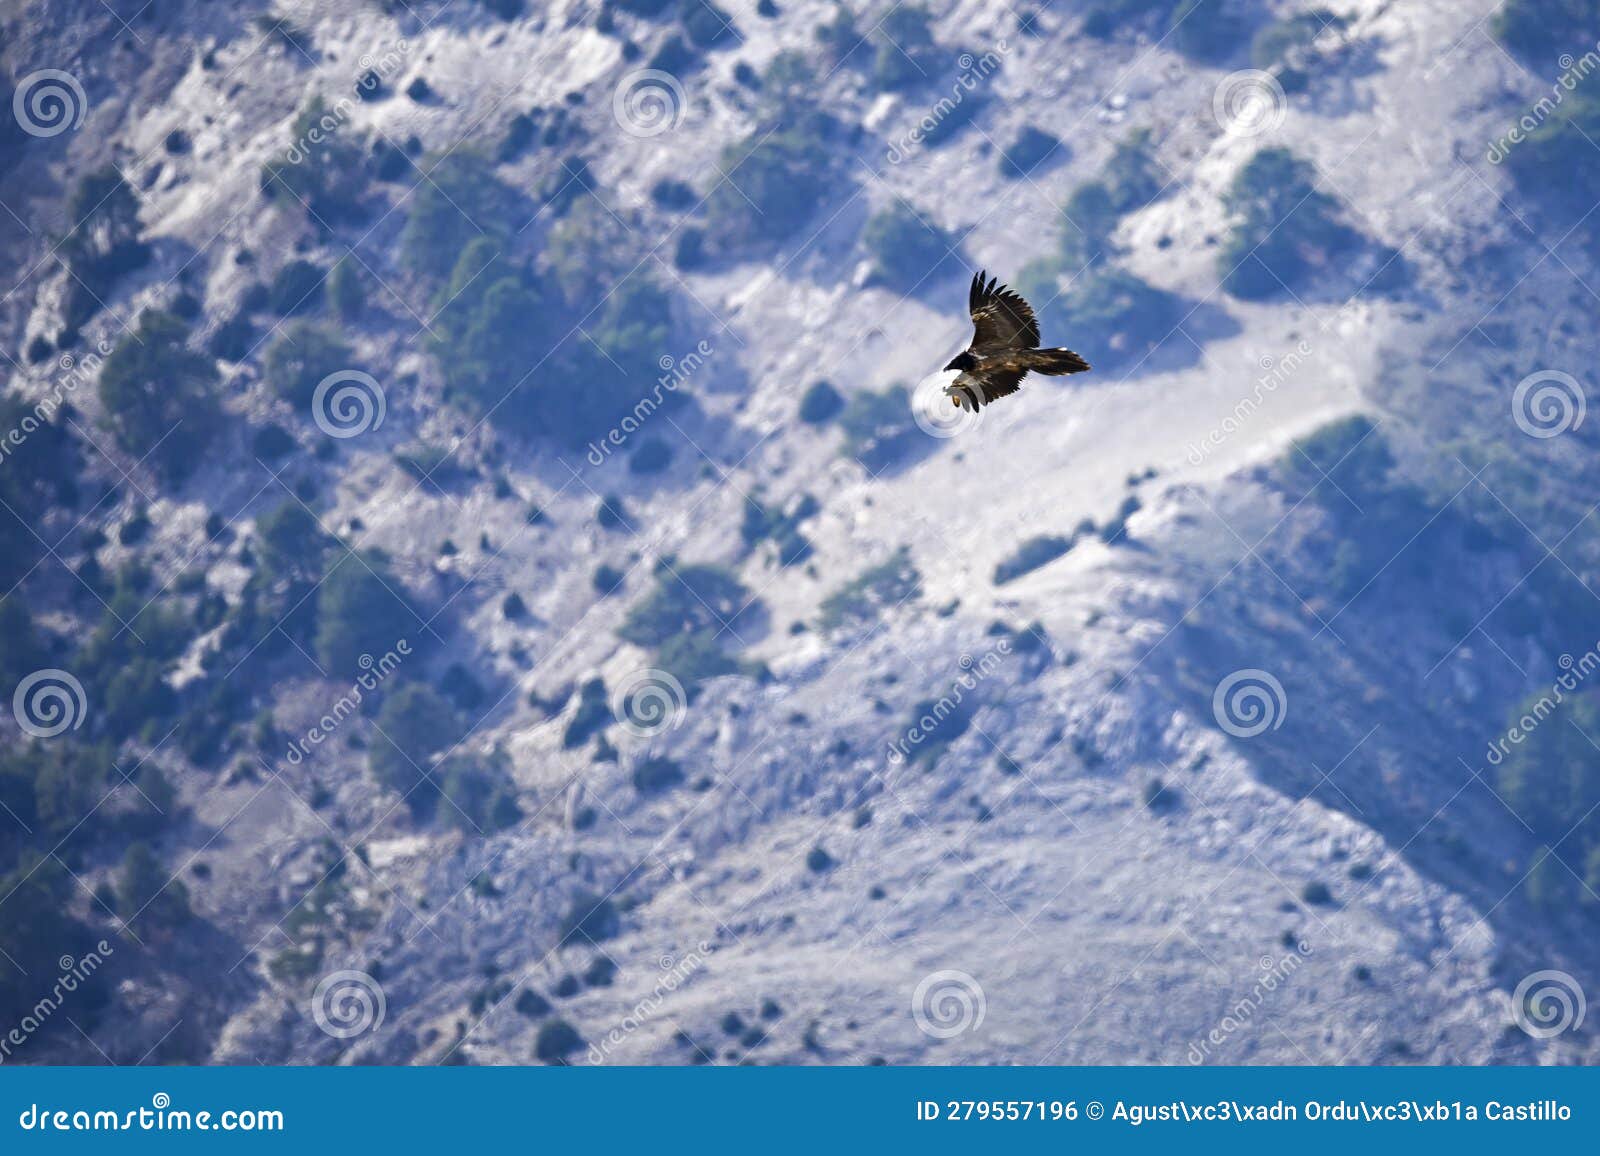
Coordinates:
[1005,346]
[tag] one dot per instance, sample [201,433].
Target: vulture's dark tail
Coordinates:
[1054,362]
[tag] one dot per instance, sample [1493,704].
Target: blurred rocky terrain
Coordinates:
[488,576]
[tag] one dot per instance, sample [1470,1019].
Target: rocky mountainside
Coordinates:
[489,576]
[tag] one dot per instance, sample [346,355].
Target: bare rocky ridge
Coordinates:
[1102,922]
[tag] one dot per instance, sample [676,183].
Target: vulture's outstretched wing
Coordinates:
[1001,382]
[1001,319]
